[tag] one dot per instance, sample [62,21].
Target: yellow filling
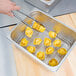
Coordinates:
[52,34]
[49,50]
[24,42]
[38,27]
[47,42]
[31,49]
[41,55]
[37,41]
[62,51]
[57,43]
[28,32]
[53,62]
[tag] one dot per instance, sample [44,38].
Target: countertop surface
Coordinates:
[7,63]
[27,67]
[24,65]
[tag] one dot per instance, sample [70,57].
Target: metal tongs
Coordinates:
[20,19]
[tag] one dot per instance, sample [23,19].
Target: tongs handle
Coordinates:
[28,16]
[19,18]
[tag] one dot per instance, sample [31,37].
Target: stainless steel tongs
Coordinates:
[20,19]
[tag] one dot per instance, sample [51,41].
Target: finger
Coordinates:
[10,14]
[13,3]
[16,8]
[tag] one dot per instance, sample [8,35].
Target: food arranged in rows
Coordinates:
[49,50]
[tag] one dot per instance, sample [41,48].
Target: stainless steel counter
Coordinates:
[7,63]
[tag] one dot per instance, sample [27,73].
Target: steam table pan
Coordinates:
[45,5]
[65,33]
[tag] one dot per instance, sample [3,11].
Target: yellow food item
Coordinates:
[47,42]
[28,32]
[38,27]
[24,42]
[22,28]
[41,28]
[57,43]
[37,41]
[49,50]
[31,49]
[52,34]
[53,62]
[41,55]
[62,51]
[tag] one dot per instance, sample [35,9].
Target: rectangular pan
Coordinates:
[66,34]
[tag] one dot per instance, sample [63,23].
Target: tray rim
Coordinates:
[34,57]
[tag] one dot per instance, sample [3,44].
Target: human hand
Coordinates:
[7,6]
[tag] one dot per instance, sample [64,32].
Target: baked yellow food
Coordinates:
[37,41]
[41,28]
[62,51]
[28,32]
[24,42]
[53,62]
[49,50]
[38,27]
[31,49]
[52,34]
[41,55]
[57,43]
[47,42]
